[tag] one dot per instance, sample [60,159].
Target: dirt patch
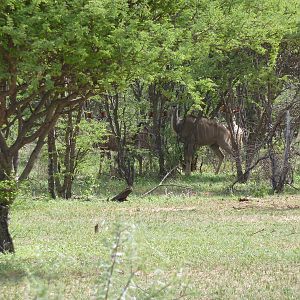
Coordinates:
[160,209]
[217,206]
[272,203]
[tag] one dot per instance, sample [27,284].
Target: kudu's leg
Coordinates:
[101,159]
[188,156]
[113,163]
[140,161]
[216,149]
[225,146]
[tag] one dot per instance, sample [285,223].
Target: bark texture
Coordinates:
[6,243]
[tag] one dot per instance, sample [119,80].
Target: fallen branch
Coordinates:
[161,183]
[176,185]
[257,232]
[244,199]
[243,207]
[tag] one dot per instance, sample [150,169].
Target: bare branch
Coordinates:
[126,285]
[250,169]
[161,183]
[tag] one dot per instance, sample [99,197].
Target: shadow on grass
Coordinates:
[11,270]
[212,178]
[14,271]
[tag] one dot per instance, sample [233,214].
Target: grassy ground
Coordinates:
[198,234]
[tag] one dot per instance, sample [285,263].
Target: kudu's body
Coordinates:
[141,140]
[238,133]
[110,143]
[107,148]
[144,140]
[195,132]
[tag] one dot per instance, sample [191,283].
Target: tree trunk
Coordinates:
[280,172]
[242,177]
[139,158]
[6,243]
[73,157]
[56,168]
[3,109]
[16,163]
[125,159]
[126,165]
[236,145]
[194,162]
[63,190]
[157,108]
[51,167]
[32,159]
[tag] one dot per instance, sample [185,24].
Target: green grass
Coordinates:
[225,249]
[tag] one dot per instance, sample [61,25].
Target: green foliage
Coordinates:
[199,46]
[90,133]
[8,192]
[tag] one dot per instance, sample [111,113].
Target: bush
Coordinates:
[8,192]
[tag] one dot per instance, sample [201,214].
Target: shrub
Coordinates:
[8,192]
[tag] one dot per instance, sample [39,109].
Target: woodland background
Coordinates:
[86,89]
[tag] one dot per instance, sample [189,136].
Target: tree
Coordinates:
[56,54]
[240,47]
[37,85]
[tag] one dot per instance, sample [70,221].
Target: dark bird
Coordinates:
[121,197]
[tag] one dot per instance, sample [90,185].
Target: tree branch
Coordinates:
[161,183]
[250,169]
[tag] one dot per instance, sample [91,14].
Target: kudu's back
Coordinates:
[206,132]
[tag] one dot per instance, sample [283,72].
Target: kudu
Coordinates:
[142,140]
[107,147]
[238,133]
[195,132]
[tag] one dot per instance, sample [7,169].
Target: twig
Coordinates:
[293,232]
[249,169]
[291,185]
[127,285]
[244,207]
[257,231]
[177,185]
[161,183]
